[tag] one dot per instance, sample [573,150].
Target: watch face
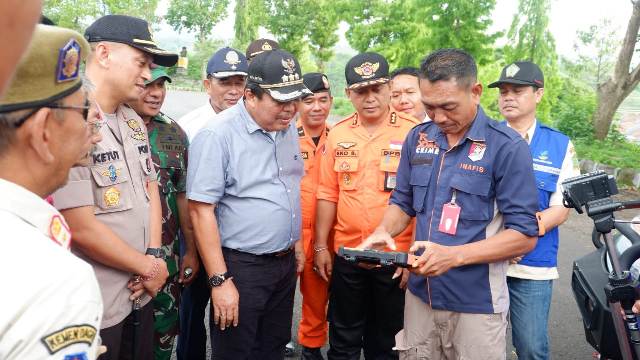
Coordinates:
[216,280]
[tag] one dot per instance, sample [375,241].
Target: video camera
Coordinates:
[581,190]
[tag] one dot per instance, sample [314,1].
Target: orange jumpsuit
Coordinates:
[358,173]
[313,324]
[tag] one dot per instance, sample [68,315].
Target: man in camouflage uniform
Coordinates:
[169,153]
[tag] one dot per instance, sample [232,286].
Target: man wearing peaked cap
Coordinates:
[112,204]
[530,277]
[259,46]
[245,167]
[357,174]
[57,309]
[169,153]
[312,133]
[224,83]
[226,74]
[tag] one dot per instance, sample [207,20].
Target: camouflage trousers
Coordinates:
[165,309]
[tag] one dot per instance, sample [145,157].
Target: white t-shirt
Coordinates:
[195,120]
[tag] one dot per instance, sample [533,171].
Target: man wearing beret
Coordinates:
[357,175]
[112,205]
[530,277]
[169,153]
[312,132]
[243,186]
[55,308]
[226,75]
[468,182]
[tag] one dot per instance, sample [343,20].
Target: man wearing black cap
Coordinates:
[312,132]
[530,277]
[357,175]
[112,205]
[259,46]
[246,166]
[226,75]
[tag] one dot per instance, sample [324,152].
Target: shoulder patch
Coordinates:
[68,336]
[300,131]
[347,121]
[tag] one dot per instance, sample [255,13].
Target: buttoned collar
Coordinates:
[251,125]
[35,211]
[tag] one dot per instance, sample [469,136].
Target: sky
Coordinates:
[566,18]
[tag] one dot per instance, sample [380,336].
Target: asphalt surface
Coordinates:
[565,324]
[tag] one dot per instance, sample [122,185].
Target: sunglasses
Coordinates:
[84,109]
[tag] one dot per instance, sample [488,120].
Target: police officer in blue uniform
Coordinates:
[530,277]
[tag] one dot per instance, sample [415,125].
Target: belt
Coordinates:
[280,253]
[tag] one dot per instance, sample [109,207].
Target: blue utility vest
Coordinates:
[548,149]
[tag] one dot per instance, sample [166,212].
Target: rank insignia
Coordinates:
[68,62]
[476,151]
[305,155]
[344,166]
[367,70]
[512,70]
[112,197]
[266,47]
[346,145]
[138,134]
[346,179]
[290,68]
[232,59]
[59,231]
[112,173]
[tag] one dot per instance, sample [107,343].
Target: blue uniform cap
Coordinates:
[227,62]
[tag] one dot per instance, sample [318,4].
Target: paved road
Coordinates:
[565,327]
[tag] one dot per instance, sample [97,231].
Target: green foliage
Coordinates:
[574,110]
[78,14]
[249,16]
[597,47]
[342,107]
[487,74]
[615,153]
[322,31]
[288,20]
[144,9]
[199,57]
[199,16]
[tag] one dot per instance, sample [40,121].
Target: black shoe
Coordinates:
[311,354]
[290,349]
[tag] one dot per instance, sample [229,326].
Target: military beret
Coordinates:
[48,71]
[157,73]
[366,69]
[259,46]
[316,82]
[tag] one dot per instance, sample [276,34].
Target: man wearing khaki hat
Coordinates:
[55,308]
[169,153]
[112,205]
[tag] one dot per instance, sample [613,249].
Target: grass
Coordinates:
[620,154]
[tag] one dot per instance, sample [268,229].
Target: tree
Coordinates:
[530,40]
[77,14]
[144,9]
[288,21]
[199,16]
[600,42]
[249,16]
[616,88]
[322,31]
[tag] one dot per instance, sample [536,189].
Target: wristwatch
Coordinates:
[217,279]
[156,252]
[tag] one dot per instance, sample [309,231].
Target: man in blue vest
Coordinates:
[530,277]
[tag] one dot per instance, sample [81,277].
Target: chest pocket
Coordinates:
[113,188]
[472,195]
[346,167]
[546,181]
[171,173]
[388,169]
[419,181]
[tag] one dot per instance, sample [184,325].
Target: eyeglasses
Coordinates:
[84,108]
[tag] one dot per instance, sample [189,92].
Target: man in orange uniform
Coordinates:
[357,174]
[312,130]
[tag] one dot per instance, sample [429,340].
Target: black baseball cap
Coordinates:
[316,82]
[227,62]
[278,73]
[520,73]
[259,46]
[366,69]
[132,31]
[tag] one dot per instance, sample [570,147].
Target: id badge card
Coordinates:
[450,217]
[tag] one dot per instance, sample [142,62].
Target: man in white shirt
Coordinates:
[54,310]
[530,277]
[226,76]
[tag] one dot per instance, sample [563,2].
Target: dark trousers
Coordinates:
[366,310]
[266,286]
[192,339]
[119,338]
